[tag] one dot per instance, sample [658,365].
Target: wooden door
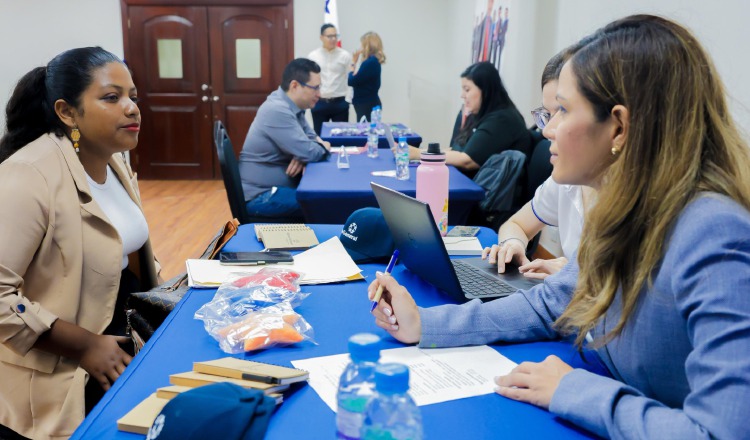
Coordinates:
[249,51]
[194,63]
[168,54]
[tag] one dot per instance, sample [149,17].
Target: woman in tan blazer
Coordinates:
[74,240]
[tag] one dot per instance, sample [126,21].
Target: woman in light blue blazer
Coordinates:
[662,277]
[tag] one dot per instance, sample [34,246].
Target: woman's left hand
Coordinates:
[532,382]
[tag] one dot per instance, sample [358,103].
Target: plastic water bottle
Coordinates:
[402,159]
[375,115]
[392,413]
[356,385]
[343,160]
[372,141]
[432,185]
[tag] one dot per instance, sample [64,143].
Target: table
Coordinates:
[412,138]
[336,311]
[329,195]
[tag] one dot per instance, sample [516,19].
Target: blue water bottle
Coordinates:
[391,412]
[356,385]
[402,159]
[376,115]
[372,141]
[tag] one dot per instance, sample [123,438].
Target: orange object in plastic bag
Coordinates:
[284,335]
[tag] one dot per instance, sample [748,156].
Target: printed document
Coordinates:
[435,374]
[327,262]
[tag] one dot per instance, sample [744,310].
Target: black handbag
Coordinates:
[146,311]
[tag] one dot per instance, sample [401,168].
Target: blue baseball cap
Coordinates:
[366,236]
[222,410]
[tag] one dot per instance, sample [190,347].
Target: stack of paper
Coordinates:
[436,374]
[462,245]
[327,262]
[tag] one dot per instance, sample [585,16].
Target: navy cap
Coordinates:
[366,236]
[222,410]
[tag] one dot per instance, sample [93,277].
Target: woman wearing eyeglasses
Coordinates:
[365,81]
[562,206]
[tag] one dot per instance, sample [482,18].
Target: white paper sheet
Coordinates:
[327,262]
[435,375]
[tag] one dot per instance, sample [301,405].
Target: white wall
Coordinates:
[721,27]
[35,31]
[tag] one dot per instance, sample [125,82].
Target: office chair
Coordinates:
[538,169]
[230,171]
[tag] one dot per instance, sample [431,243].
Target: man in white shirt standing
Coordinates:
[334,65]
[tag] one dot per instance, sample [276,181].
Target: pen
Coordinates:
[388,270]
[260,378]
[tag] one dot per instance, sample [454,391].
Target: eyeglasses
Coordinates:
[541,117]
[315,88]
[333,36]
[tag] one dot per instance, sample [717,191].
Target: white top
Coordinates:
[122,212]
[561,206]
[334,70]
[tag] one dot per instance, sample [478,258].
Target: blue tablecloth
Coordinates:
[328,194]
[412,138]
[336,311]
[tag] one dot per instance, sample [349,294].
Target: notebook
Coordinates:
[193,379]
[140,418]
[293,236]
[251,370]
[422,251]
[169,392]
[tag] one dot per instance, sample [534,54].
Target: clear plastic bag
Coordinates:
[268,276]
[266,327]
[254,311]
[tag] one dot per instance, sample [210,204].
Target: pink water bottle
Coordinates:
[432,185]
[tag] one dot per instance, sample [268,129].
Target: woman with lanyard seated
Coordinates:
[75,241]
[663,271]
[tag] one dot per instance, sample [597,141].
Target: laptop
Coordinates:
[389,136]
[422,251]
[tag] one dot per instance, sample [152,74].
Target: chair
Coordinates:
[230,171]
[500,177]
[538,168]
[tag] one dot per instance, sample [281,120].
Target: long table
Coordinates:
[336,311]
[359,140]
[328,194]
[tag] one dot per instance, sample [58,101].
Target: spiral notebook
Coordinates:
[293,236]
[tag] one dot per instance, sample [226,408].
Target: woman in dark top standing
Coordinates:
[366,80]
[493,124]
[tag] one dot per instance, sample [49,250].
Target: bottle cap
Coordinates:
[402,139]
[373,125]
[392,378]
[433,153]
[364,347]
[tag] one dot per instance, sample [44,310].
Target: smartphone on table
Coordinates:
[255,258]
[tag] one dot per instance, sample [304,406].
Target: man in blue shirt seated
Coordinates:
[279,144]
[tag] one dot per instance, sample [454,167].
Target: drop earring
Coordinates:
[75,136]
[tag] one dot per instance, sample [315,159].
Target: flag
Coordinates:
[331,15]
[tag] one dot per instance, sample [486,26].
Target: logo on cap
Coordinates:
[156,428]
[352,228]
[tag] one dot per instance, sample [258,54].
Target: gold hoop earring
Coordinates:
[615,151]
[75,136]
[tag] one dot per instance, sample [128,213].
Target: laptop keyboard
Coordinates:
[477,284]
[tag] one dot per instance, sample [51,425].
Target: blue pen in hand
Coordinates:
[388,270]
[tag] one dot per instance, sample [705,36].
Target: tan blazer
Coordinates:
[59,258]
